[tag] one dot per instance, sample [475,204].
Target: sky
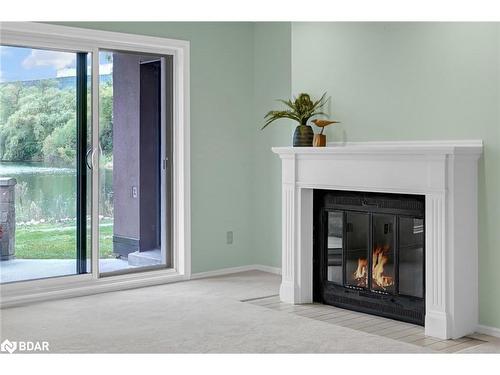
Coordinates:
[25,64]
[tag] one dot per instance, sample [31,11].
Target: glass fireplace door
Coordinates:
[335,234]
[382,261]
[357,244]
[411,256]
[368,253]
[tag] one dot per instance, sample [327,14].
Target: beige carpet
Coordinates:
[204,315]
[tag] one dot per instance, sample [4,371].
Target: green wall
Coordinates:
[272,72]
[415,81]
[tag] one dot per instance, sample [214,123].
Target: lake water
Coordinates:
[49,193]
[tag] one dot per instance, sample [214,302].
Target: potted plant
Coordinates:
[300,109]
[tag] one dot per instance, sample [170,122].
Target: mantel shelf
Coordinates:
[468,147]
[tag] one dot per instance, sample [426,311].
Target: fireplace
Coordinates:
[443,173]
[369,251]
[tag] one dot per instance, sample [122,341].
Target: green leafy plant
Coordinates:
[300,109]
[37,121]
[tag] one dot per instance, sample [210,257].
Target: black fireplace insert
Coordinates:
[369,253]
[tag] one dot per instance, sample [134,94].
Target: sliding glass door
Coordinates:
[44,184]
[85,162]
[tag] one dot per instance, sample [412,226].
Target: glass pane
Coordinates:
[88,162]
[130,162]
[357,249]
[107,260]
[411,256]
[334,248]
[37,163]
[383,253]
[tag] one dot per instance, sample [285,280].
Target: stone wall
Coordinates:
[7,218]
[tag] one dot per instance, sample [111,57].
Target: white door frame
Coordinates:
[37,35]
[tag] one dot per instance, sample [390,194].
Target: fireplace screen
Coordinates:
[383,253]
[357,249]
[411,256]
[335,244]
[369,253]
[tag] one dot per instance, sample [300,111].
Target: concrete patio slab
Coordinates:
[31,269]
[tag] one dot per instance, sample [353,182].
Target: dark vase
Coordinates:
[303,136]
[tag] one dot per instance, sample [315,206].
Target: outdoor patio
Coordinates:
[31,269]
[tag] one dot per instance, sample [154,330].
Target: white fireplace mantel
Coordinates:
[444,171]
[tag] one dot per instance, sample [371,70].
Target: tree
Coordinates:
[106,118]
[38,122]
[9,100]
[32,117]
[59,148]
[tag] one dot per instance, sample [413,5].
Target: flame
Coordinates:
[379,260]
[361,274]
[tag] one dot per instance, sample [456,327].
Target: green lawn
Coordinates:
[57,241]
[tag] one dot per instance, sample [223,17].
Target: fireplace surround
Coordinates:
[443,172]
[368,253]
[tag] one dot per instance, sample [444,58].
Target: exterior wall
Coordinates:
[150,157]
[126,157]
[136,141]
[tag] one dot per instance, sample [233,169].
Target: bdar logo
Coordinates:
[8,346]
[24,346]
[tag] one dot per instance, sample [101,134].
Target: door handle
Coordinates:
[89,165]
[387,228]
[94,153]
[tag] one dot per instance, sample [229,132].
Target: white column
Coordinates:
[288,290]
[304,231]
[436,317]
[297,240]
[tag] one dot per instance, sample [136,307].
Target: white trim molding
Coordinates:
[37,35]
[268,269]
[231,270]
[485,330]
[445,172]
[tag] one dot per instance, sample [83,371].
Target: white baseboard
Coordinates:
[270,269]
[485,330]
[230,270]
